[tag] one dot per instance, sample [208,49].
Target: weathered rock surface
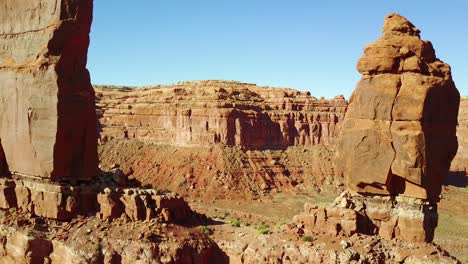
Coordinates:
[47,114]
[48,156]
[398,136]
[63,202]
[408,219]
[219,112]
[301,243]
[91,240]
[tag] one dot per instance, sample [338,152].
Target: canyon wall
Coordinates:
[217,112]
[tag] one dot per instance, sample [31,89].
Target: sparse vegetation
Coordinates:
[264,229]
[307,239]
[235,223]
[205,230]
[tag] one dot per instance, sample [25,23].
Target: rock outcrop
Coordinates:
[398,140]
[408,219]
[93,241]
[218,112]
[47,113]
[221,172]
[398,135]
[104,198]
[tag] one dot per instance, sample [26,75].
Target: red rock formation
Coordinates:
[411,220]
[217,112]
[227,136]
[399,131]
[95,241]
[47,113]
[398,140]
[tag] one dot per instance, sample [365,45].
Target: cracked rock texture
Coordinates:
[47,114]
[398,135]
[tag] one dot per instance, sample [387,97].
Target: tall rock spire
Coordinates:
[398,135]
[47,113]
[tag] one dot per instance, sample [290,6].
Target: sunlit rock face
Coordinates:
[219,112]
[399,133]
[47,114]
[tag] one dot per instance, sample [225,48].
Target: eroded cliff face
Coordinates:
[217,112]
[218,138]
[47,116]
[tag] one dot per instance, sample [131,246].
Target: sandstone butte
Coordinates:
[399,133]
[398,140]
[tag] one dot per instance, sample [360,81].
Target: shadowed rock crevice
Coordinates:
[3,163]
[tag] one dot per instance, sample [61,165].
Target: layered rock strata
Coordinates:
[65,202]
[408,219]
[48,130]
[218,112]
[47,113]
[225,138]
[222,172]
[398,135]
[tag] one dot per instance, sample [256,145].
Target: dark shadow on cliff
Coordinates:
[439,122]
[457,178]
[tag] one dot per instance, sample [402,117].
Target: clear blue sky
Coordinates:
[304,44]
